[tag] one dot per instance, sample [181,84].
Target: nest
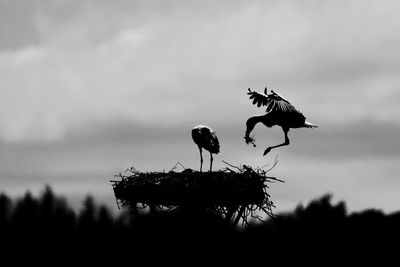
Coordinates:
[235,194]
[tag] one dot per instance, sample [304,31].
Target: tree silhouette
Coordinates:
[46,225]
[5,215]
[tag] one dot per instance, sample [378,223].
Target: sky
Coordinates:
[90,88]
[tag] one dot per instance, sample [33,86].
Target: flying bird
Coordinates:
[206,138]
[279,112]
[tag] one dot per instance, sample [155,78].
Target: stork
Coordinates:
[206,138]
[279,112]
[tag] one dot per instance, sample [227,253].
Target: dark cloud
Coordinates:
[86,159]
[330,141]
[347,70]
[20,19]
[17,28]
[359,139]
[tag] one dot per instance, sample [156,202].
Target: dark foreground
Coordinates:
[46,226]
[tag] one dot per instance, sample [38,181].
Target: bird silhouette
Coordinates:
[279,112]
[206,138]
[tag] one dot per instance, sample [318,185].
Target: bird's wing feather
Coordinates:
[273,101]
[258,99]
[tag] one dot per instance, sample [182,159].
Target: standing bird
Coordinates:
[206,138]
[279,112]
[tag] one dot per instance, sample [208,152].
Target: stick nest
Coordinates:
[233,192]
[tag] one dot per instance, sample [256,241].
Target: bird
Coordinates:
[279,112]
[205,137]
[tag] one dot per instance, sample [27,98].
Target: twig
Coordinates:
[178,163]
[274,179]
[262,167]
[273,166]
[131,169]
[233,166]
[228,169]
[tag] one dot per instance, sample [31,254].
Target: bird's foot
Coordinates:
[267,151]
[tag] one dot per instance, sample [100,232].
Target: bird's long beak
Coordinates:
[250,140]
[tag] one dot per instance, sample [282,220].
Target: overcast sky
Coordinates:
[90,88]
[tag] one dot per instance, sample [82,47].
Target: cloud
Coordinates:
[16,27]
[86,161]
[362,183]
[177,63]
[361,140]
[90,88]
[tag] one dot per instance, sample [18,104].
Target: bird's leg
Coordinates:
[211,161]
[285,130]
[201,158]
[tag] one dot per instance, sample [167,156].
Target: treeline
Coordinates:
[47,224]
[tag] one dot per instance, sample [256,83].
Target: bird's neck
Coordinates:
[251,123]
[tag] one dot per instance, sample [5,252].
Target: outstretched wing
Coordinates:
[273,101]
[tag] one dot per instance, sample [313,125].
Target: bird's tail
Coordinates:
[310,125]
